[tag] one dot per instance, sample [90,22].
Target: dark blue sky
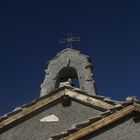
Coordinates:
[30,33]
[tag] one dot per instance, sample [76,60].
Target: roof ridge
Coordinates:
[99,97]
[41,102]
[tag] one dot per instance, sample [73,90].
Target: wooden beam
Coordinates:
[40,104]
[99,124]
[88,100]
[137,107]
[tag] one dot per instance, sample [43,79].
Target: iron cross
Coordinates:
[69,40]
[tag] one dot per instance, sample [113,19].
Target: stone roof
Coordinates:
[82,129]
[111,108]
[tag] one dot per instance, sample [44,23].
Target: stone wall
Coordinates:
[33,129]
[69,58]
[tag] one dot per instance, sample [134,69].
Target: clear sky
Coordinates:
[30,33]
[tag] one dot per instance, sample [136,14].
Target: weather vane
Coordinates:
[69,40]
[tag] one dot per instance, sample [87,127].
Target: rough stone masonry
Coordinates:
[69,64]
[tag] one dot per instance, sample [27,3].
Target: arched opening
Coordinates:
[66,73]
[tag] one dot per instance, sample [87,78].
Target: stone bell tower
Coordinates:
[69,64]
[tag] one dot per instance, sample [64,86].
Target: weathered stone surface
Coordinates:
[49,119]
[33,129]
[69,64]
[124,129]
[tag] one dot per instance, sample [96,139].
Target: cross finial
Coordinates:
[69,40]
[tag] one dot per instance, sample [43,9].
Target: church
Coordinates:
[69,107]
